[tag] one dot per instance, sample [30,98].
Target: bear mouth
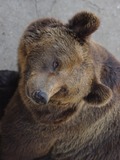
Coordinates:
[39,97]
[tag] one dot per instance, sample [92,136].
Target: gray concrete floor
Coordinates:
[15,15]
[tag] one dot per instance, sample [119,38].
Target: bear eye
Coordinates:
[55,65]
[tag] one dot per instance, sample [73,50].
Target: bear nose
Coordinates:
[40,97]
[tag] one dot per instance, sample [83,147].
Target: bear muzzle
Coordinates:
[41,91]
[37,96]
[40,97]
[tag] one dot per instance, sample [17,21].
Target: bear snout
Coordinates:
[40,97]
[37,96]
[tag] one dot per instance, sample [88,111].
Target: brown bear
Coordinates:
[67,104]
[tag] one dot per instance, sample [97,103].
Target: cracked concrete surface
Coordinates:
[16,15]
[36,8]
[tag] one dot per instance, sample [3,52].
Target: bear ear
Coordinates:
[84,24]
[99,95]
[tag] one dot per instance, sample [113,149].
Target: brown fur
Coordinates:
[81,118]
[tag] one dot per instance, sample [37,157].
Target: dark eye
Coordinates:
[55,65]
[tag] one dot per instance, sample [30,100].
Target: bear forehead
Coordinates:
[60,33]
[56,40]
[48,51]
[47,34]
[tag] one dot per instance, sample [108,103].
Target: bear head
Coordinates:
[56,66]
